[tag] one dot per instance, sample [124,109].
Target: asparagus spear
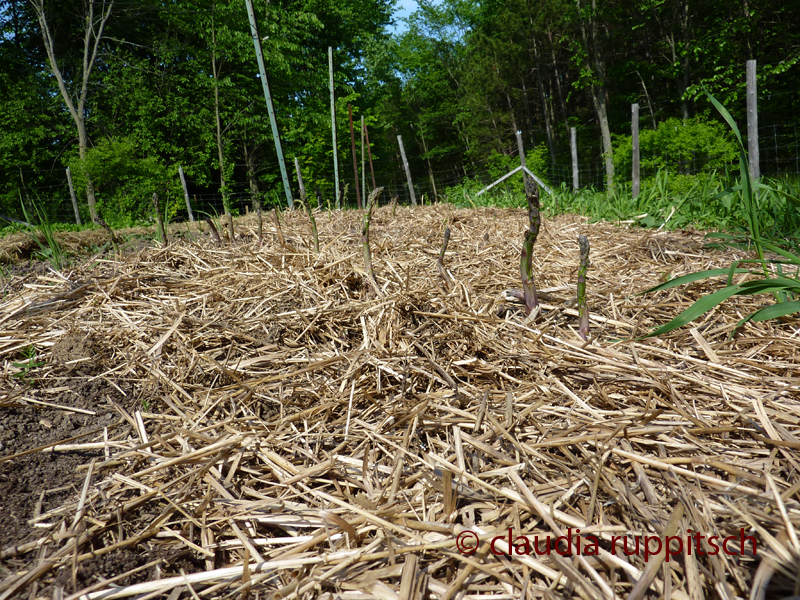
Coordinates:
[440,261]
[583,309]
[526,258]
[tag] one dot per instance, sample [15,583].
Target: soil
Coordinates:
[49,477]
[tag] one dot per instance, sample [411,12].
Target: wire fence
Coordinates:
[779,147]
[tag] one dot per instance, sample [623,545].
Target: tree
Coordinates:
[593,71]
[94,26]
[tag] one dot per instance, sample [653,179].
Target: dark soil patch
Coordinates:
[41,481]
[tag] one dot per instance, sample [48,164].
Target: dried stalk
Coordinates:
[260,225]
[304,202]
[230,223]
[373,196]
[111,234]
[218,464]
[214,232]
[583,309]
[277,222]
[526,258]
[440,261]
[161,231]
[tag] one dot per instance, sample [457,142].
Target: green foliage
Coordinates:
[682,148]
[125,179]
[29,364]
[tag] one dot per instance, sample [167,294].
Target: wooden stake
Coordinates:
[353,152]
[573,145]
[369,153]
[333,127]
[521,151]
[186,193]
[408,171]
[363,166]
[635,148]
[74,198]
[752,121]
[276,135]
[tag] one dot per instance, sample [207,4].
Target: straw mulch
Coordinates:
[281,430]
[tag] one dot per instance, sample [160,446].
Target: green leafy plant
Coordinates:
[49,248]
[29,353]
[786,290]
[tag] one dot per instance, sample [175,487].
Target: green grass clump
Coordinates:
[43,234]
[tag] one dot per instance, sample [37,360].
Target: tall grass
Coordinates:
[41,232]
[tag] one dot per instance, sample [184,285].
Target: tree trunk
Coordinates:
[220,147]
[544,102]
[83,146]
[558,82]
[94,28]
[598,89]
[428,160]
[684,84]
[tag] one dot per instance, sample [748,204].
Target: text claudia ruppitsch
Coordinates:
[650,546]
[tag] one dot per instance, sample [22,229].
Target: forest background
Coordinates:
[144,87]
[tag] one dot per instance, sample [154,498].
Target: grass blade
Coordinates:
[772,312]
[699,308]
[692,277]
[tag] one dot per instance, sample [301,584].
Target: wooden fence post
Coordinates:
[333,126]
[573,146]
[363,165]
[521,151]
[635,149]
[353,152]
[273,121]
[186,193]
[369,154]
[408,171]
[752,121]
[74,198]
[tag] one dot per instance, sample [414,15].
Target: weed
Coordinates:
[29,353]
[49,249]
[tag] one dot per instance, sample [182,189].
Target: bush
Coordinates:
[125,181]
[697,146]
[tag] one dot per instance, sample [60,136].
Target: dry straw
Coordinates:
[301,436]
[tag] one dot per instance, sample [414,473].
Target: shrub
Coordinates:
[681,148]
[125,180]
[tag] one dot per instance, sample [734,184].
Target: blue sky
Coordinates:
[404,9]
